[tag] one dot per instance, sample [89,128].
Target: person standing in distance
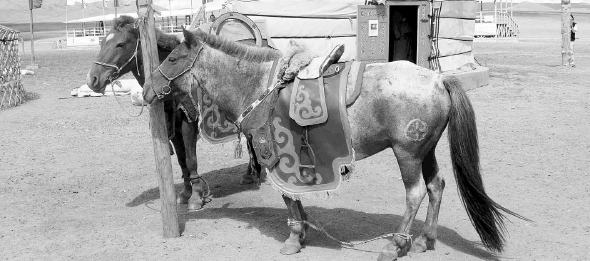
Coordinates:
[574,29]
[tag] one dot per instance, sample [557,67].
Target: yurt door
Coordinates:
[398,30]
[372,39]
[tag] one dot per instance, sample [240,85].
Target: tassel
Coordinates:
[238,148]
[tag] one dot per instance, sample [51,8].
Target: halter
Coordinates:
[118,69]
[166,89]
[112,78]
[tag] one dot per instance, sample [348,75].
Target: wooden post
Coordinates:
[33,64]
[32,40]
[565,31]
[157,123]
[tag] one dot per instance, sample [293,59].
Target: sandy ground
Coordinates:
[77,176]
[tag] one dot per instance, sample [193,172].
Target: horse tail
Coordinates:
[486,215]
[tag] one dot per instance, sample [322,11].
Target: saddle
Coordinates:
[306,144]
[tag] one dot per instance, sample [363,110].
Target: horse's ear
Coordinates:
[189,37]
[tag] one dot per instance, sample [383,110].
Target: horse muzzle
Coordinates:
[148,94]
[155,88]
[96,80]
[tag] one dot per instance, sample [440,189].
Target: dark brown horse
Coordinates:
[120,53]
[401,106]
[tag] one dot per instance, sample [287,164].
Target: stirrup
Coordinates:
[306,148]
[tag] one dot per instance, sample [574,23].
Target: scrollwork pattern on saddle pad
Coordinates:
[289,160]
[303,105]
[214,126]
[308,102]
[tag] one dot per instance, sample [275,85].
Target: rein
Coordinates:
[121,104]
[114,76]
[255,104]
[118,69]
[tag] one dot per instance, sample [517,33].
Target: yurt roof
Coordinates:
[8,34]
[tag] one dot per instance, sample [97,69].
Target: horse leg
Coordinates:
[254,167]
[296,225]
[435,184]
[190,134]
[186,192]
[411,168]
[178,143]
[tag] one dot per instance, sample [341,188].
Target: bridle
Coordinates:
[114,76]
[166,89]
[118,69]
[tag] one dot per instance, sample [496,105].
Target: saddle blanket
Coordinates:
[307,112]
[316,169]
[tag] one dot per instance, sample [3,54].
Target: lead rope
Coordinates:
[403,236]
[121,104]
[206,196]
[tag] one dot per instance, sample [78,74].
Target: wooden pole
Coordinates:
[565,31]
[157,123]
[32,42]
[67,33]
[104,20]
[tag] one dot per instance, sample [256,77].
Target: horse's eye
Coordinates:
[171,59]
[120,45]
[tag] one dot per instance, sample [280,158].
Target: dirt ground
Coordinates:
[77,176]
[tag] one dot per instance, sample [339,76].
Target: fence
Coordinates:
[90,31]
[12,92]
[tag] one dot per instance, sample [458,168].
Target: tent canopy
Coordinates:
[322,24]
[110,17]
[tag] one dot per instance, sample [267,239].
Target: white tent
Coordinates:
[322,24]
[110,17]
[106,17]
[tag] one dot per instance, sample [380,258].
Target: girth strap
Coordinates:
[269,90]
[358,84]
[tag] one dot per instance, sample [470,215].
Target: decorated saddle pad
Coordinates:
[214,125]
[329,138]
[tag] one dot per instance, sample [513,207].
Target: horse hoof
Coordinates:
[246,179]
[387,256]
[389,253]
[192,206]
[419,245]
[290,249]
[182,198]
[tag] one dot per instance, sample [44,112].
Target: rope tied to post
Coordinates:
[292,222]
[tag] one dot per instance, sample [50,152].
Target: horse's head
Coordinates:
[117,56]
[173,74]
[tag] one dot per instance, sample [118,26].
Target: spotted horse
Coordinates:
[400,106]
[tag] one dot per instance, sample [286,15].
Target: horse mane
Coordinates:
[238,50]
[165,41]
[122,21]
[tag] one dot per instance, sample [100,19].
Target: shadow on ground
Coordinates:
[344,224]
[222,182]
